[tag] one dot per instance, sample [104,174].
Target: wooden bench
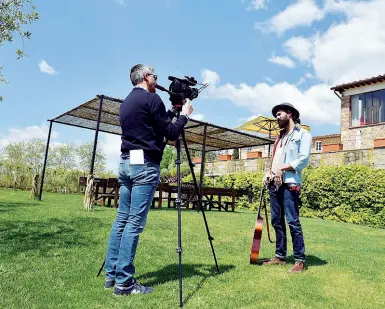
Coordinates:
[189,196]
[113,184]
[104,184]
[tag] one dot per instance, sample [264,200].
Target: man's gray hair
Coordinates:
[138,71]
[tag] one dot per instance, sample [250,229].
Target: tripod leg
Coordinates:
[178,202]
[199,193]
[101,268]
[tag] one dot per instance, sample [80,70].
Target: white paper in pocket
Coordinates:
[136,156]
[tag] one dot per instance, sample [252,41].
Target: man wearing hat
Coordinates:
[290,156]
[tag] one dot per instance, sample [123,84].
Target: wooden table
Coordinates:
[211,197]
[188,195]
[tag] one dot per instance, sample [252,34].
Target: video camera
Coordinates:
[181,89]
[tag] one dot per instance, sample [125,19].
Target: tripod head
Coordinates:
[181,89]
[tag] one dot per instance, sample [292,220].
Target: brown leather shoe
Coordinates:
[297,268]
[275,261]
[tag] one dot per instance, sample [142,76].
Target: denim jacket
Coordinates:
[297,153]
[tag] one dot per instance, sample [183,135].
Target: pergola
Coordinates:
[101,114]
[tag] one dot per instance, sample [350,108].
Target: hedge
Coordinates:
[250,181]
[353,193]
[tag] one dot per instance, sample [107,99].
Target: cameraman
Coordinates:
[145,125]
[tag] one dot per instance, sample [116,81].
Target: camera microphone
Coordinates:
[161,88]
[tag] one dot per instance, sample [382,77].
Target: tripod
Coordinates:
[178,203]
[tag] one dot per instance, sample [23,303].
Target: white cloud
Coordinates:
[259,4]
[350,49]
[110,144]
[242,120]
[338,5]
[210,77]
[285,61]
[316,104]
[309,75]
[46,68]
[301,13]
[269,80]
[25,134]
[299,48]
[301,81]
[198,117]
[354,48]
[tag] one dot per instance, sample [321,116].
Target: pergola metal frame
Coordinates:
[102,115]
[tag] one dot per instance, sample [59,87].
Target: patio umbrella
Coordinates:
[264,125]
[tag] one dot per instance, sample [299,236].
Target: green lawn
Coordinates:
[51,251]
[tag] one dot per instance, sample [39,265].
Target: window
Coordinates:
[318,146]
[367,108]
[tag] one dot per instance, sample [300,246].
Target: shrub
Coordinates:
[250,182]
[169,175]
[351,193]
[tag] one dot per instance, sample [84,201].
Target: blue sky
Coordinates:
[254,54]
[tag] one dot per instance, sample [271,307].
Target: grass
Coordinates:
[51,251]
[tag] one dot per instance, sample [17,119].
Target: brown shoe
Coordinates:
[297,268]
[275,261]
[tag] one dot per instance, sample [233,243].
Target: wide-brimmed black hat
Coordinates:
[286,107]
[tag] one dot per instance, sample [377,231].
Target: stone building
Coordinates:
[362,113]
[326,143]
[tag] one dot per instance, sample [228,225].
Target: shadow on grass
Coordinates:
[183,209]
[311,260]
[171,273]
[43,236]
[9,206]
[165,208]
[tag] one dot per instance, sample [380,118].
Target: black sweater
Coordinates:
[145,123]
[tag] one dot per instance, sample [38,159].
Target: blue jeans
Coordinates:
[137,188]
[285,202]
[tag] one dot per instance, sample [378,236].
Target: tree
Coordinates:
[169,157]
[211,156]
[14,155]
[13,15]
[63,157]
[34,155]
[84,153]
[236,154]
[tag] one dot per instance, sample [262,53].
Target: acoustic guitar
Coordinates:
[256,245]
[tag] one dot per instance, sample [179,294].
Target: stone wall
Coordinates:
[369,157]
[345,119]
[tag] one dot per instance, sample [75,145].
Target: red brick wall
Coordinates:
[379,143]
[332,147]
